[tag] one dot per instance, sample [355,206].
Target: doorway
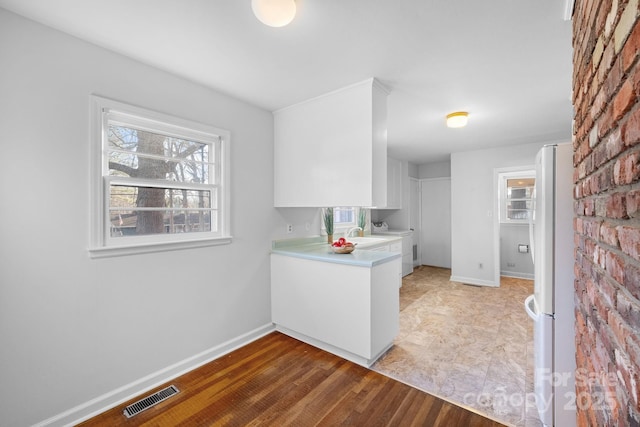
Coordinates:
[515,198]
[435,233]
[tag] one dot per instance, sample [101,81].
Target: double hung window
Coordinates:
[159,182]
[517,196]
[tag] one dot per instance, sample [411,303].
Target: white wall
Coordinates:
[472,209]
[512,262]
[434,170]
[74,328]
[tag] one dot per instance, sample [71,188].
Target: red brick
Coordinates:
[633,203]
[615,267]
[630,241]
[631,128]
[589,207]
[609,234]
[631,48]
[616,206]
[619,328]
[614,144]
[605,178]
[608,291]
[615,76]
[624,100]
[629,309]
[627,169]
[629,375]
[592,228]
[633,348]
[632,280]
[606,121]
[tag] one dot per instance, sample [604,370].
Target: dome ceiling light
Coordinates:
[458,119]
[274,13]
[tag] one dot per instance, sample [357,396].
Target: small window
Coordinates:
[161,182]
[344,217]
[517,196]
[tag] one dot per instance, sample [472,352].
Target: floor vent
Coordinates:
[149,401]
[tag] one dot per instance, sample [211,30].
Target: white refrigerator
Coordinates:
[552,305]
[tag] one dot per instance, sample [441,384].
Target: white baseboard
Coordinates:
[517,275]
[120,395]
[352,357]
[472,281]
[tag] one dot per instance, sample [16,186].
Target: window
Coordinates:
[517,196]
[159,182]
[345,218]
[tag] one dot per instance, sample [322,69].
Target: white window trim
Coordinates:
[99,246]
[502,191]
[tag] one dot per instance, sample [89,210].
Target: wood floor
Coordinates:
[279,381]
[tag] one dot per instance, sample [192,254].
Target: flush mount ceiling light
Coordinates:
[274,13]
[457,119]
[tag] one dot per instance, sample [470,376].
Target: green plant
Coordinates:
[362,218]
[327,215]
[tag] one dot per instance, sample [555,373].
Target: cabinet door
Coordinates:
[331,150]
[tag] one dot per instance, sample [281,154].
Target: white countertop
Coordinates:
[317,248]
[392,233]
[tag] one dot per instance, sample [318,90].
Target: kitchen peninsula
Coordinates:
[346,304]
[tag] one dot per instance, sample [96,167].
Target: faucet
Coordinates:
[348,232]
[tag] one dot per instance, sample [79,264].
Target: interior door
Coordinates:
[435,235]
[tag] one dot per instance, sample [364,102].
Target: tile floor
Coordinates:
[470,345]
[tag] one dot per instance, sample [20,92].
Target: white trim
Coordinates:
[517,275]
[146,248]
[101,245]
[497,207]
[503,177]
[472,281]
[122,394]
[568,9]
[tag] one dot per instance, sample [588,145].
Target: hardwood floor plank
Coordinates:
[279,381]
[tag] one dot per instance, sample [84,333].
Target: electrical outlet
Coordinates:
[511,264]
[289,228]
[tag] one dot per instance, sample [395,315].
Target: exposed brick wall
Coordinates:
[606,88]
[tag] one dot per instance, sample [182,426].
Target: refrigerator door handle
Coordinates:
[530,307]
[531,214]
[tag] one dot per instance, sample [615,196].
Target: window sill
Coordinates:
[114,251]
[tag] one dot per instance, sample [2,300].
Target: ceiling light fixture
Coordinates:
[274,13]
[457,119]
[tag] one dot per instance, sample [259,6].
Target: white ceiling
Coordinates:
[507,62]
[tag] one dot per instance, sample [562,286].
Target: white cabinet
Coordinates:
[394,184]
[407,255]
[348,310]
[404,246]
[332,150]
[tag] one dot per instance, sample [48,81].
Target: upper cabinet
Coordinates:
[332,150]
[394,184]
